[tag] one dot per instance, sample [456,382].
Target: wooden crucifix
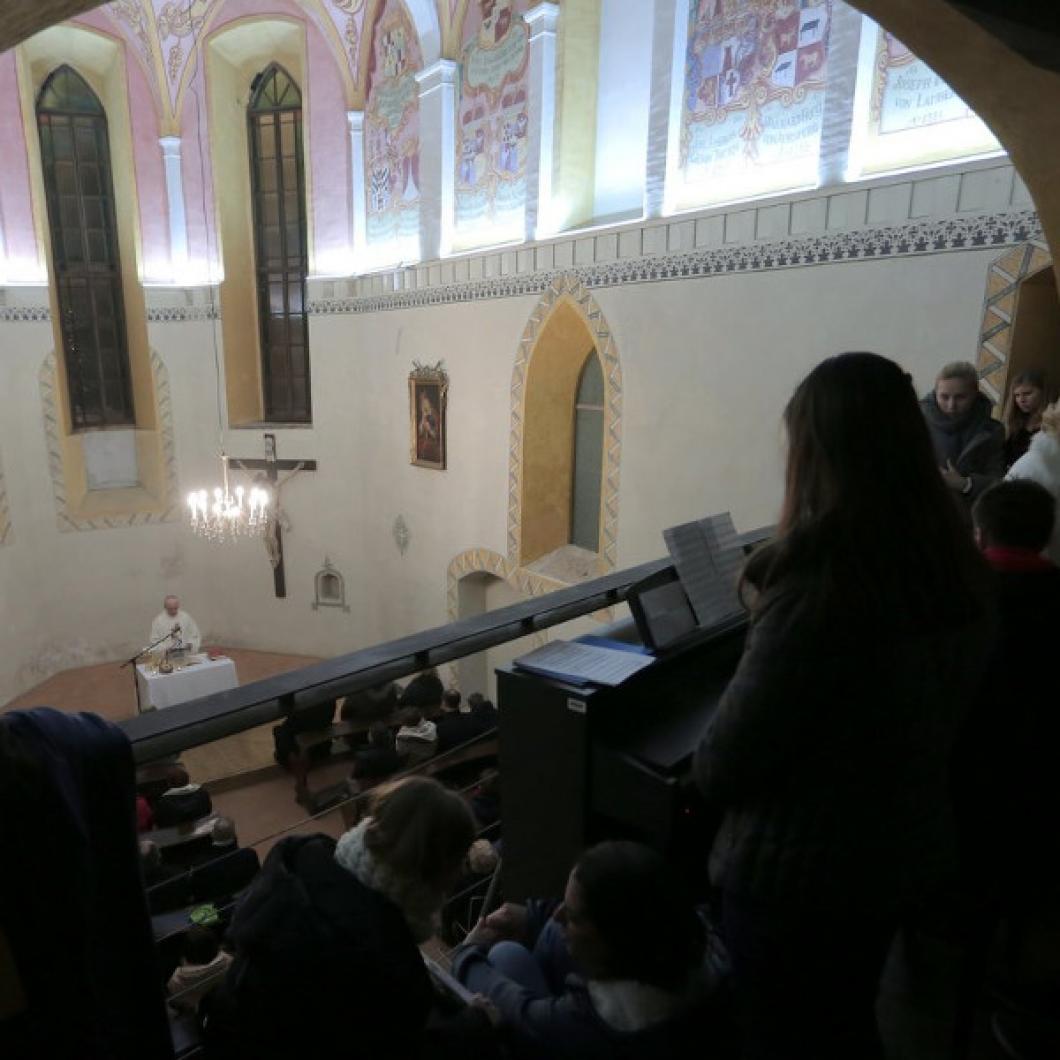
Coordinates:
[268,475]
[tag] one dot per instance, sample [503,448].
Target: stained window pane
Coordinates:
[71,252]
[287,135]
[274,123]
[62,142]
[75,162]
[591,384]
[588,466]
[266,138]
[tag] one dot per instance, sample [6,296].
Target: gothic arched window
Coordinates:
[280,245]
[588,456]
[75,159]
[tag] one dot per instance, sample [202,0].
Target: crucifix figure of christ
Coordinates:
[267,474]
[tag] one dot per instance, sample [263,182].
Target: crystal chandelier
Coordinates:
[224,514]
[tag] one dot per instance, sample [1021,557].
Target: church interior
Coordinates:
[352,342]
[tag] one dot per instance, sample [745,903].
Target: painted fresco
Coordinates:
[914,116]
[907,94]
[492,124]
[755,78]
[392,135]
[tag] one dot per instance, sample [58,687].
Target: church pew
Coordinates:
[485,746]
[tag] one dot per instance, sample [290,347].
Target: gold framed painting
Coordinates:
[428,391]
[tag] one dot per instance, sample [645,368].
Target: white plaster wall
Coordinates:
[622,105]
[73,598]
[707,367]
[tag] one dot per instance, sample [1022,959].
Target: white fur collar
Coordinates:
[418,902]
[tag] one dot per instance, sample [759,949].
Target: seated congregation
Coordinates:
[884,749]
[386,729]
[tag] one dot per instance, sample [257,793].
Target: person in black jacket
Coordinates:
[378,758]
[969,443]
[456,729]
[828,752]
[326,937]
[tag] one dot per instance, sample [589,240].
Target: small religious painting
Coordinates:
[428,387]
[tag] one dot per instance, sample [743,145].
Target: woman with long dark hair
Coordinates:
[829,749]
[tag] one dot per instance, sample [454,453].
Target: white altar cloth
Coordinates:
[166,690]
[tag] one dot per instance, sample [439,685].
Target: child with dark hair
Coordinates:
[424,692]
[202,966]
[451,701]
[620,969]
[1013,525]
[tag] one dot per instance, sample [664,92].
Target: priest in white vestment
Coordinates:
[182,630]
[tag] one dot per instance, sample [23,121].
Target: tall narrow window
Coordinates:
[277,183]
[75,158]
[588,456]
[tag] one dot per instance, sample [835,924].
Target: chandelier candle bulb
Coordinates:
[234,513]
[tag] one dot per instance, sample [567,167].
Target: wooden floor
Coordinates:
[264,803]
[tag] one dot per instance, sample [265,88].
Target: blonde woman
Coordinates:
[327,936]
[1041,464]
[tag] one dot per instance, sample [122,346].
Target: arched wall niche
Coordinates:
[101,60]
[469,578]
[1021,320]
[565,327]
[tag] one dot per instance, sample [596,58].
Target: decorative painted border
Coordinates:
[864,244]
[7,532]
[180,314]
[867,244]
[1003,281]
[156,315]
[567,286]
[24,314]
[47,379]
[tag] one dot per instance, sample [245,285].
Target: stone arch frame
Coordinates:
[486,561]
[1006,273]
[568,287]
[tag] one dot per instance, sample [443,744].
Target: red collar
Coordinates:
[1009,560]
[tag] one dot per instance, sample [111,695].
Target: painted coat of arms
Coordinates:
[755,74]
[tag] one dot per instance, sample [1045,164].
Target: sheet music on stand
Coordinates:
[583,664]
[708,558]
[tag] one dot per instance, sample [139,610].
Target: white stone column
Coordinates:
[358,203]
[178,221]
[541,110]
[437,86]
[669,38]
